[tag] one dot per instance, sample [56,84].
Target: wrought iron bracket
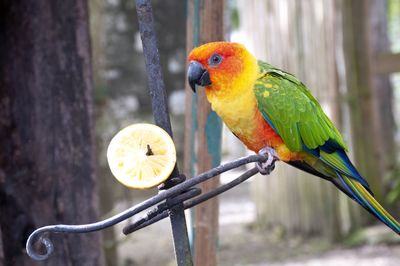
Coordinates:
[185,193]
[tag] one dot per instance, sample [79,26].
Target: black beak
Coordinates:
[197,75]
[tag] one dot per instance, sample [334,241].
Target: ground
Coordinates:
[240,244]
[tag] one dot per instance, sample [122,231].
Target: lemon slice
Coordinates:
[141,156]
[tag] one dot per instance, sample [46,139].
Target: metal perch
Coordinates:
[176,194]
[38,234]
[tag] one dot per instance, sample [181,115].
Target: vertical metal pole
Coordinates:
[161,118]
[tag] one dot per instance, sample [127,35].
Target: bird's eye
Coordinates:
[215,60]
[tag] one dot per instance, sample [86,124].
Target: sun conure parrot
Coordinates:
[273,112]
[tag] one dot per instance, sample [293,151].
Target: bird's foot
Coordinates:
[266,167]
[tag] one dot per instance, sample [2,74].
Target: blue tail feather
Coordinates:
[367,205]
[341,163]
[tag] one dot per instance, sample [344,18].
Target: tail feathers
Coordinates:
[366,200]
[339,161]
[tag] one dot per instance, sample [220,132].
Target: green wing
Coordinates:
[297,117]
[293,112]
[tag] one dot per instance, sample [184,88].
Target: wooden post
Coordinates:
[369,94]
[203,130]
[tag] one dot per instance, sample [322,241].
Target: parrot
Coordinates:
[273,113]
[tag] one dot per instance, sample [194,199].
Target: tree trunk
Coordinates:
[47,158]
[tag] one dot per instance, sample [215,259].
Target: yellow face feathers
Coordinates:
[229,72]
[230,66]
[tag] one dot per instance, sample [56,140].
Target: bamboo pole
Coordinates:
[203,130]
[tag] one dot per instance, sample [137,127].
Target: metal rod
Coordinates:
[161,117]
[161,214]
[192,192]
[153,66]
[38,234]
[243,177]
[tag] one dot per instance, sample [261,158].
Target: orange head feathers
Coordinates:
[228,72]
[221,66]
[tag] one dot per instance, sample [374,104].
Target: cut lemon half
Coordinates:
[141,156]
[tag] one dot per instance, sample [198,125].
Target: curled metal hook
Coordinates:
[44,240]
[170,193]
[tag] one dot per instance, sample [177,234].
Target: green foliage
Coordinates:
[394,194]
[393,10]
[100,93]
[394,191]
[234,15]
[393,23]
[373,235]
[235,20]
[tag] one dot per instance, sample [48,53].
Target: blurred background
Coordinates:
[73,75]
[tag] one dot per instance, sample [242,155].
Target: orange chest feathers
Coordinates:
[261,134]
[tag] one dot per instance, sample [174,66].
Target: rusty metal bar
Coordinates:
[161,117]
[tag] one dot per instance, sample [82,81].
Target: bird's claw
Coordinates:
[267,166]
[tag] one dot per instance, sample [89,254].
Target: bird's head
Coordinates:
[221,67]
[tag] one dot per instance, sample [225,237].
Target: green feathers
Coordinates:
[292,111]
[364,197]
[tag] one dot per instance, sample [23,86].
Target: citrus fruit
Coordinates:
[141,156]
